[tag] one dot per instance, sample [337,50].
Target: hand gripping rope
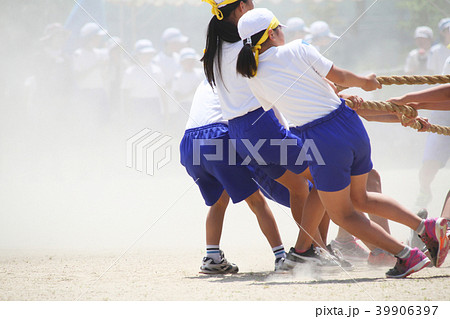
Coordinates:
[405,110]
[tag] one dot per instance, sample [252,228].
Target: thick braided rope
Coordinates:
[413,79]
[403,110]
[409,80]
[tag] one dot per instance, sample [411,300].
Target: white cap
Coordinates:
[444,24]
[90,29]
[296,24]
[173,35]
[144,46]
[188,53]
[254,21]
[321,29]
[423,32]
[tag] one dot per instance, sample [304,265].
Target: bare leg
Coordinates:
[340,209]
[298,191]
[314,213]
[214,220]
[323,227]
[380,204]
[266,221]
[299,196]
[373,185]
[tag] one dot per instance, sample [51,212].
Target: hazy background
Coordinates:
[64,183]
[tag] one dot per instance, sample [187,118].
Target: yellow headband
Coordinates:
[273,24]
[215,7]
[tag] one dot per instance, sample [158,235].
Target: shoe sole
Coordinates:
[424,263]
[441,235]
[303,260]
[218,272]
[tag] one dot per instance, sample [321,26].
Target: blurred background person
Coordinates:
[440,52]
[142,90]
[115,70]
[168,59]
[51,82]
[89,65]
[416,62]
[296,29]
[321,37]
[188,78]
[437,147]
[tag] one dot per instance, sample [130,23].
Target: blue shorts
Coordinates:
[213,176]
[266,136]
[271,188]
[343,144]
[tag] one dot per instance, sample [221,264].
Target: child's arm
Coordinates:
[436,94]
[349,79]
[436,98]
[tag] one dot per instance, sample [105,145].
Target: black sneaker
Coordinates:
[310,256]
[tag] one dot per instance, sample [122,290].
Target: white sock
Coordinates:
[405,253]
[213,251]
[279,252]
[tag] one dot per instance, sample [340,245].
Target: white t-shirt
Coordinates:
[140,84]
[235,96]
[446,66]
[291,78]
[205,107]
[416,63]
[438,54]
[185,84]
[89,67]
[169,64]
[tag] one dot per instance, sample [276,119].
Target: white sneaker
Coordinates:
[223,267]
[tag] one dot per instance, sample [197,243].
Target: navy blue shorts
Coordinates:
[265,135]
[215,175]
[271,188]
[343,144]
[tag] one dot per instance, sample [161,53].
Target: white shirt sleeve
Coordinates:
[318,62]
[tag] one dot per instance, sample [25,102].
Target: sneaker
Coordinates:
[350,249]
[223,267]
[336,254]
[415,240]
[280,265]
[405,267]
[379,257]
[316,256]
[436,240]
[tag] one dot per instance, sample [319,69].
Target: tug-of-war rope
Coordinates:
[407,112]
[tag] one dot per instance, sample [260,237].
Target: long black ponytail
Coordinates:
[219,31]
[246,62]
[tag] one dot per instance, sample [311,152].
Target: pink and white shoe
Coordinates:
[405,267]
[436,240]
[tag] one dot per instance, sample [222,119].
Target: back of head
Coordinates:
[219,30]
[253,28]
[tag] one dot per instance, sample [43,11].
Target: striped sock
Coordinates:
[213,251]
[279,252]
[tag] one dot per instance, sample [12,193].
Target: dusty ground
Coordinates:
[145,276]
